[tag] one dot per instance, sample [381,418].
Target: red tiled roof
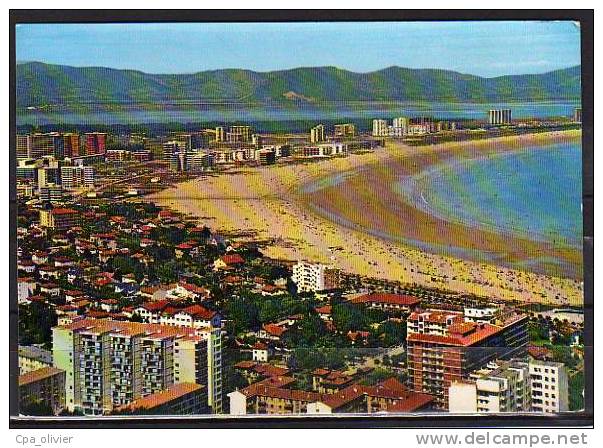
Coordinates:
[232,259]
[37,375]
[481,332]
[174,392]
[199,312]
[273,329]
[63,211]
[392,299]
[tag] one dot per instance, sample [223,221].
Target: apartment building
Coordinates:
[499,116]
[71,145]
[444,348]
[50,144]
[578,115]
[51,193]
[324,150]
[174,153]
[239,134]
[265,156]
[59,218]
[311,277]
[380,128]
[23,146]
[95,142]
[112,363]
[549,385]
[502,386]
[401,124]
[220,134]
[345,130]
[73,177]
[317,134]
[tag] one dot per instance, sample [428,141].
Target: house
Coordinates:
[150,312]
[229,261]
[195,316]
[25,288]
[153,293]
[184,291]
[271,332]
[329,381]
[73,295]
[272,290]
[388,396]
[47,272]
[27,266]
[61,262]
[39,257]
[254,371]
[74,274]
[109,305]
[260,352]
[324,312]
[358,337]
[50,289]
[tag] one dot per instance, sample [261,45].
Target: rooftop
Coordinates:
[174,392]
[390,299]
[37,375]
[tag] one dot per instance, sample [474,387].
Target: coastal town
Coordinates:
[144,289]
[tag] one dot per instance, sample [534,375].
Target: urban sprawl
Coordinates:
[128,308]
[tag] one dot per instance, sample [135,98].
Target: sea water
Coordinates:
[535,192]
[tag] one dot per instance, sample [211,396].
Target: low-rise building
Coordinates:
[397,303]
[178,399]
[45,386]
[32,357]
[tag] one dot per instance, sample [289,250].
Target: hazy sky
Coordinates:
[480,48]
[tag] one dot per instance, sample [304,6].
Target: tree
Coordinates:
[36,407]
[348,317]
[35,323]
[393,333]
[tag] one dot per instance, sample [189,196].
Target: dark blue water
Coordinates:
[534,193]
[361,112]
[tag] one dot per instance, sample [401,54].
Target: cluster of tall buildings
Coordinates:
[110,364]
[60,145]
[497,117]
[404,126]
[50,177]
[233,134]
[318,133]
[183,157]
[444,347]
[514,386]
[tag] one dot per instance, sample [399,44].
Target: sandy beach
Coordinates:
[272,204]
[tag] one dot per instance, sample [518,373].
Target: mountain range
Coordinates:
[46,84]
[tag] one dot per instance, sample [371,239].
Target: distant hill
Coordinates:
[40,84]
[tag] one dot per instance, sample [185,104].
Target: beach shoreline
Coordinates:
[273,204]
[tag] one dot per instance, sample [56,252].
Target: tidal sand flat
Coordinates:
[344,211]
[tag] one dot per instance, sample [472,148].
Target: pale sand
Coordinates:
[266,200]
